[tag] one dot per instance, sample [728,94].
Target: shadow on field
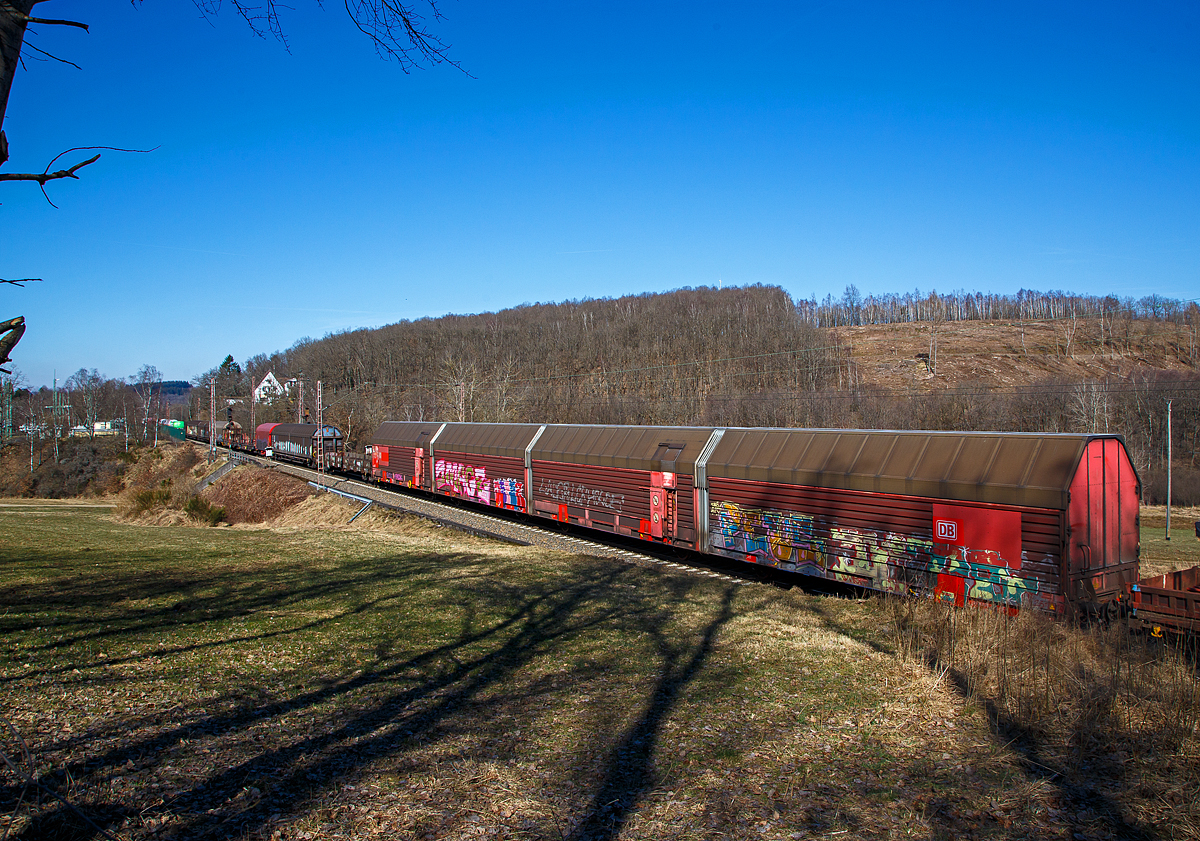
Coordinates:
[426,693]
[630,772]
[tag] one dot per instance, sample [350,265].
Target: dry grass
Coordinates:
[1004,354]
[396,679]
[159,483]
[1160,555]
[255,494]
[407,681]
[1110,719]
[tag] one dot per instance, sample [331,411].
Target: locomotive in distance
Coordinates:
[1015,520]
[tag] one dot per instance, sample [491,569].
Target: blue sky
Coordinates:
[595,150]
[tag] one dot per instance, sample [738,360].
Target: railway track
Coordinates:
[473,520]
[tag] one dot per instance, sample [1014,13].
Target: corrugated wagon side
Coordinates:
[1048,521]
[484,462]
[400,453]
[303,442]
[632,480]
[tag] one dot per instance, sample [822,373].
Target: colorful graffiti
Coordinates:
[472,482]
[882,560]
[579,495]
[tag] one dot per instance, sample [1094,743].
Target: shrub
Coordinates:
[199,509]
[148,498]
[1185,486]
[85,467]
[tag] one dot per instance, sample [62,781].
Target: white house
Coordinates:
[269,389]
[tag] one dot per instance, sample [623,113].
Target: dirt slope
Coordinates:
[926,356]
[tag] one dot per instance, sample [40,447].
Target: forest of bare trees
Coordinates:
[745,356]
[740,356]
[897,308]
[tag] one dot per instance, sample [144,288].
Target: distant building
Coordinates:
[270,388]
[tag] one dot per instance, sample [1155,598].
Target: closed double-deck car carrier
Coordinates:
[1013,519]
[299,442]
[1004,518]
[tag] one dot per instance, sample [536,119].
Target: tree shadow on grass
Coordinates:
[630,773]
[389,707]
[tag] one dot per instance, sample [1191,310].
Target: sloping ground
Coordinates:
[254,494]
[1006,354]
[207,684]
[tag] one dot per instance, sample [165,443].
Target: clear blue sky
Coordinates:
[600,149]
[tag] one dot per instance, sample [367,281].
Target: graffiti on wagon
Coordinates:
[884,560]
[579,495]
[470,482]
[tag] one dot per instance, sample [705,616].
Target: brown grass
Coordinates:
[255,494]
[1004,354]
[409,681]
[162,478]
[1105,715]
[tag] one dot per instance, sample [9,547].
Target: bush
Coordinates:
[148,498]
[85,467]
[199,509]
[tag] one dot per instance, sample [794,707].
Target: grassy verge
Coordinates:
[1160,555]
[208,683]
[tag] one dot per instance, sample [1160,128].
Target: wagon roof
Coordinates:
[1024,469]
[495,439]
[304,430]
[404,433]
[669,448]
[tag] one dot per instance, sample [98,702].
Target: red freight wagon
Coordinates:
[1171,600]
[1013,519]
[1010,519]
[400,453]
[635,480]
[483,462]
[262,436]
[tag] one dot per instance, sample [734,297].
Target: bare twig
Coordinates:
[30,46]
[21,281]
[46,175]
[26,760]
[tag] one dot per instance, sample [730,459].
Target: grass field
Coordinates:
[1160,555]
[411,682]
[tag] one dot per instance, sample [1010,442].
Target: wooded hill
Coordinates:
[753,356]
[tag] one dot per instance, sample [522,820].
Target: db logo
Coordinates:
[945,530]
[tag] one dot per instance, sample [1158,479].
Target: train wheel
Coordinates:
[1111,612]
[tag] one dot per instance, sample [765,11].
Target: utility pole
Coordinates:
[320,433]
[212,419]
[58,407]
[300,403]
[6,411]
[1168,470]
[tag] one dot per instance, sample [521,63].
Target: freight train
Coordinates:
[1016,520]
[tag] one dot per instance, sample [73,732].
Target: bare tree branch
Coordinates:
[42,177]
[396,28]
[49,22]
[22,281]
[30,46]
[398,32]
